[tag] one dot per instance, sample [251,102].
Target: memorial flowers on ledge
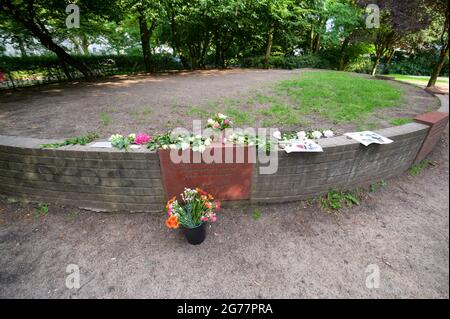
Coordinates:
[192,213]
[219,123]
[124,142]
[169,141]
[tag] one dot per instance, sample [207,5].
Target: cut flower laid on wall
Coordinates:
[124,142]
[196,208]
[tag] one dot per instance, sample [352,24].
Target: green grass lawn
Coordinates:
[336,97]
[417,78]
[339,96]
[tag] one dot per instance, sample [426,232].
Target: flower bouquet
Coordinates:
[196,208]
[124,142]
[220,122]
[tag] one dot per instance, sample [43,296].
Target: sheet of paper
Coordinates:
[101,144]
[368,137]
[303,145]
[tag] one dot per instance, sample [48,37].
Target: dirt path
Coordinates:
[157,103]
[291,251]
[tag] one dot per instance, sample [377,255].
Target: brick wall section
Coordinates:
[437,121]
[344,164]
[97,179]
[110,180]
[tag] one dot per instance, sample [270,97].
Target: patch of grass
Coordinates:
[229,102]
[400,121]
[41,210]
[199,112]
[105,118]
[256,214]
[417,78]
[146,111]
[280,114]
[374,187]
[339,96]
[240,117]
[418,168]
[366,126]
[335,200]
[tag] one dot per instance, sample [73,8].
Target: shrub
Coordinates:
[286,62]
[22,71]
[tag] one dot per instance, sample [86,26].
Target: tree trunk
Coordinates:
[373,72]
[269,45]
[390,55]
[145,34]
[23,50]
[76,44]
[438,67]
[342,57]
[39,31]
[316,44]
[85,44]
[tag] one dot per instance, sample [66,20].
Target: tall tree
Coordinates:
[398,19]
[44,19]
[439,9]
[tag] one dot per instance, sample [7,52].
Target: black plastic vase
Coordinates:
[196,235]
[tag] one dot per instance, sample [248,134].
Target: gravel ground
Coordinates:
[154,104]
[293,250]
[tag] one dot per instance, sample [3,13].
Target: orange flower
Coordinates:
[211,197]
[172,222]
[201,191]
[208,205]
[170,201]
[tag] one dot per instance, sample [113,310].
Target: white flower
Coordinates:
[301,134]
[172,146]
[115,137]
[328,133]
[241,139]
[132,136]
[211,121]
[207,141]
[316,134]
[201,148]
[277,135]
[164,147]
[185,146]
[221,116]
[198,136]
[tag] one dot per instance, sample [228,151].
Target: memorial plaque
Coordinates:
[224,180]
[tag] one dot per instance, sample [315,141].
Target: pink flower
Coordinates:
[226,121]
[204,219]
[142,139]
[213,218]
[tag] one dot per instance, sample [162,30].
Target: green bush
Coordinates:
[421,62]
[286,62]
[44,69]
